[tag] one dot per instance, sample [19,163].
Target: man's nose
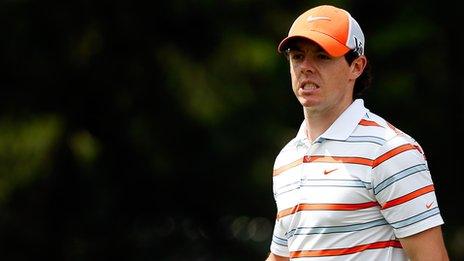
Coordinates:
[307,66]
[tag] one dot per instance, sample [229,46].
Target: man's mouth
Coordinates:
[309,86]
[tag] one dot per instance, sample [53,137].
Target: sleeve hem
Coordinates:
[275,250]
[434,222]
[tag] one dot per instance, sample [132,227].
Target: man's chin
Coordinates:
[308,103]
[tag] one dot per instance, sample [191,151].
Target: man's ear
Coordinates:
[357,66]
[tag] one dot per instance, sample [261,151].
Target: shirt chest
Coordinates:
[323,177]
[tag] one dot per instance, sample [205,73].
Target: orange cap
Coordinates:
[332,28]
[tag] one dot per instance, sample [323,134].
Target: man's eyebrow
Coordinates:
[320,49]
[315,49]
[294,48]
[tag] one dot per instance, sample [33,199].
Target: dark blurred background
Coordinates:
[148,131]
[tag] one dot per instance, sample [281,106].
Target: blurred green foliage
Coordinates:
[137,132]
[26,151]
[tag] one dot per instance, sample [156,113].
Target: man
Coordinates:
[349,186]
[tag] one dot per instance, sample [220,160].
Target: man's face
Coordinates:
[320,82]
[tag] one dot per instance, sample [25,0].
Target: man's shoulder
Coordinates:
[293,145]
[291,152]
[375,125]
[389,133]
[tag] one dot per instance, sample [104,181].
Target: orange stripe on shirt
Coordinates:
[397,131]
[369,123]
[287,167]
[392,153]
[345,251]
[408,196]
[337,159]
[333,207]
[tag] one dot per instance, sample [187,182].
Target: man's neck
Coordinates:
[317,122]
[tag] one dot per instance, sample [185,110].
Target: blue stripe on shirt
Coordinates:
[415,219]
[398,176]
[336,229]
[348,183]
[279,241]
[370,139]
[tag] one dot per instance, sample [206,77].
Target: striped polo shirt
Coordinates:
[352,192]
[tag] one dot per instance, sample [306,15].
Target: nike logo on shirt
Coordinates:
[429,205]
[329,171]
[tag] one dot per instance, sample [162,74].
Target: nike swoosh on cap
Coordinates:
[315,18]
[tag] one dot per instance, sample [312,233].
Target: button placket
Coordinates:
[305,167]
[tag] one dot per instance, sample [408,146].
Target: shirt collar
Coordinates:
[343,126]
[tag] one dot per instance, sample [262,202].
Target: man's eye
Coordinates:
[323,56]
[297,56]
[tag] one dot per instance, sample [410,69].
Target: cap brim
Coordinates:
[330,45]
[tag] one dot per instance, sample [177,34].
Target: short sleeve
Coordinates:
[279,244]
[404,188]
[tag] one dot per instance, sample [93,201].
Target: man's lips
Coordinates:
[308,87]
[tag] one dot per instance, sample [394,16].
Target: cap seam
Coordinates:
[331,37]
